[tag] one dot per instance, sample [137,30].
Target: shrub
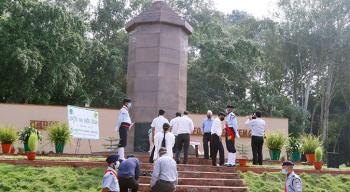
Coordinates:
[319,154]
[275,141]
[293,144]
[59,133]
[309,143]
[8,135]
[33,142]
[26,132]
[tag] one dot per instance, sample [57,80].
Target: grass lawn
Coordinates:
[274,182]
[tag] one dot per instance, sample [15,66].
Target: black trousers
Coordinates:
[128,183]
[206,140]
[217,147]
[257,145]
[123,136]
[230,145]
[175,145]
[163,186]
[183,141]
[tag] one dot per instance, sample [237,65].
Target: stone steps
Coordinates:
[202,181]
[196,188]
[195,174]
[198,168]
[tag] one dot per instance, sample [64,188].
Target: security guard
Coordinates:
[293,182]
[123,126]
[110,180]
[231,134]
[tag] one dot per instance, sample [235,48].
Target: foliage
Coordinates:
[8,135]
[319,154]
[33,142]
[275,141]
[242,150]
[26,132]
[309,143]
[59,133]
[293,144]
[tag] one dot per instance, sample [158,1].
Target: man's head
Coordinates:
[229,108]
[185,112]
[258,114]
[130,156]
[161,112]
[222,116]
[112,161]
[209,114]
[162,151]
[166,127]
[127,102]
[178,114]
[287,167]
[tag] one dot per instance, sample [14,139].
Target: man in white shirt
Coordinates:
[216,144]
[174,126]
[157,126]
[257,126]
[123,126]
[185,128]
[164,139]
[164,176]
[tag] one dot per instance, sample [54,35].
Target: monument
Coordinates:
[157,68]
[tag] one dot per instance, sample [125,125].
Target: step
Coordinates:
[191,160]
[196,174]
[196,188]
[202,181]
[188,167]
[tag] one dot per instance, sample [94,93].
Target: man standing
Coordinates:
[123,126]
[257,127]
[128,174]
[164,139]
[164,176]
[293,182]
[174,126]
[215,142]
[231,134]
[206,127]
[157,127]
[186,127]
[110,180]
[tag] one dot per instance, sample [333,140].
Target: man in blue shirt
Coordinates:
[206,127]
[128,174]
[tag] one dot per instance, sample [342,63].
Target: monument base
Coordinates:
[141,142]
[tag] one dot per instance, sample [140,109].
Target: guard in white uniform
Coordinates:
[123,126]
[293,182]
[110,180]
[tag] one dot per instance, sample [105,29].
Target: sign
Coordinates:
[83,122]
[41,125]
[242,132]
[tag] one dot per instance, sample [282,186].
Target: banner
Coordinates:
[83,123]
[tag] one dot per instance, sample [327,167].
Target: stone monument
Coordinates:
[157,68]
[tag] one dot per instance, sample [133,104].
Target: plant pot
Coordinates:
[6,148]
[13,150]
[318,165]
[310,158]
[31,155]
[295,156]
[59,147]
[26,147]
[275,155]
[242,162]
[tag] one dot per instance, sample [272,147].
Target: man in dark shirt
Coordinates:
[128,174]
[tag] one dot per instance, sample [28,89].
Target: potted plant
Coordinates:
[294,148]
[243,155]
[8,136]
[33,146]
[275,142]
[24,136]
[309,144]
[318,157]
[59,135]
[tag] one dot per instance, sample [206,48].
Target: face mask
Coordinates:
[209,117]
[284,171]
[226,110]
[116,166]
[129,105]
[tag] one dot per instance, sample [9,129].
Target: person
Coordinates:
[123,126]
[164,176]
[157,126]
[164,139]
[257,127]
[150,140]
[231,134]
[216,132]
[174,126]
[293,181]
[110,180]
[128,174]
[206,127]
[186,127]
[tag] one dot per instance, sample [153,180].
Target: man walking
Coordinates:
[110,180]
[293,182]
[257,127]
[206,127]
[174,126]
[128,174]
[215,142]
[157,127]
[164,176]
[186,127]
[231,134]
[123,126]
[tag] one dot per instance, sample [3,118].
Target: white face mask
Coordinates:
[116,166]
[284,171]
[129,105]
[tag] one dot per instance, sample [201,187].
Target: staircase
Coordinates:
[198,176]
